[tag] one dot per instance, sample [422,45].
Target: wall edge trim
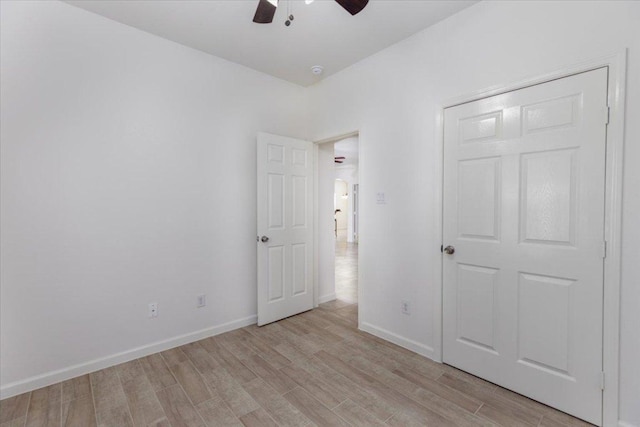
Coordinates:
[409,344]
[327,298]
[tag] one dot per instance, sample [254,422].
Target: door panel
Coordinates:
[476,308]
[551,115]
[483,128]
[300,201]
[524,209]
[285,186]
[275,283]
[548,197]
[543,341]
[479,189]
[276,201]
[300,261]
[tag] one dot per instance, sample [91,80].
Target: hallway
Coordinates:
[346,269]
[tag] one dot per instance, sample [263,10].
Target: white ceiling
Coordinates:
[322,33]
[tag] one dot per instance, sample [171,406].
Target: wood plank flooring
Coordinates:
[315,368]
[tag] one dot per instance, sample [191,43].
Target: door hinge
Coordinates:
[601,380]
[607,115]
[604,249]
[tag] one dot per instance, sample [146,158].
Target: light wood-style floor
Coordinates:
[315,368]
[346,268]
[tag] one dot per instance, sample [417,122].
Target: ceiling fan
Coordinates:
[267,9]
[339,159]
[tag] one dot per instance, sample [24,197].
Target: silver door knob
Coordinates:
[264,239]
[449,250]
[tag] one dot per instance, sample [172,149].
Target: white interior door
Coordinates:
[285,227]
[524,176]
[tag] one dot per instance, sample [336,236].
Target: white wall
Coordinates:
[392,99]
[128,176]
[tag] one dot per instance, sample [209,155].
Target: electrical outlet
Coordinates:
[153,309]
[202,301]
[406,309]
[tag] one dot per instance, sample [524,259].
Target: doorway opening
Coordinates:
[346,213]
[338,226]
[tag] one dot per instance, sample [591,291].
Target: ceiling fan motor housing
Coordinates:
[267,9]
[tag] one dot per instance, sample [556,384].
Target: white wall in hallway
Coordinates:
[392,99]
[341,188]
[128,176]
[349,174]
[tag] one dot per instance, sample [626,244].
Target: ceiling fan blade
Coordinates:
[265,12]
[353,6]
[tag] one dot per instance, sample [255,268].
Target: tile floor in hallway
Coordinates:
[315,368]
[346,269]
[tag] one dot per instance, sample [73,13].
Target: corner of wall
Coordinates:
[404,342]
[326,298]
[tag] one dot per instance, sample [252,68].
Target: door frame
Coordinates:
[617,66]
[316,213]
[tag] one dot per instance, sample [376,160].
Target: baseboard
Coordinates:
[53,377]
[326,298]
[414,346]
[626,424]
